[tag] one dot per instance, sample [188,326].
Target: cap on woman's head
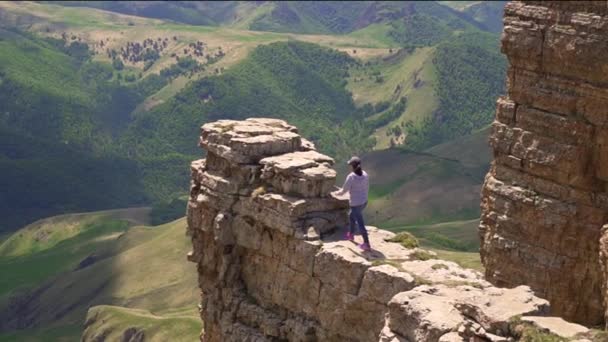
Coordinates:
[354,160]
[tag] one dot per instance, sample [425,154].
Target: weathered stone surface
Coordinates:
[381,283]
[427,313]
[308,174]
[446,272]
[342,268]
[272,264]
[603,256]
[387,335]
[421,316]
[250,140]
[383,249]
[452,337]
[555,325]
[290,214]
[542,202]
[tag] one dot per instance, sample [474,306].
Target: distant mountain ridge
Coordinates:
[311,17]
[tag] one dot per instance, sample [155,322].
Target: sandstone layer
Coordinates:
[545,198]
[266,235]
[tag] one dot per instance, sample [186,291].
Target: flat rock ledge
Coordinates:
[266,235]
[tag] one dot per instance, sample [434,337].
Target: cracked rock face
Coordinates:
[266,236]
[429,312]
[545,198]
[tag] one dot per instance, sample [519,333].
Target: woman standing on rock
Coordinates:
[357,186]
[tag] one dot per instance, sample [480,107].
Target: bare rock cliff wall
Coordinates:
[545,198]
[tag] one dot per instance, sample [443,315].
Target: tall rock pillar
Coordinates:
[258,206]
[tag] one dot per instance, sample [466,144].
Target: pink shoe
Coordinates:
[365,247]
[349,236]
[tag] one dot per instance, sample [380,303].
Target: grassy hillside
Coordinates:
[115,323]
[55,334]
[458,236]
[51,87]
[434,194]
[49,247]
[99,258]
[470,76]
[487,13]
[406,75]
[99,124]
[416,190]
[449,90]
[409,20]
[49,78]
[48,233]
[310,17]
[201,13]
[456,241]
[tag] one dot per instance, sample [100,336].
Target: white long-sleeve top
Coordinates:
[357,188]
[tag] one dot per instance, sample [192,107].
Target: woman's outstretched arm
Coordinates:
[345,188]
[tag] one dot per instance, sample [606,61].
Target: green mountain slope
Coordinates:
[440,184]
[402,83]
[449,90]
[91,131]
[433,194]
[310,17]
[61,116]
[43,177]
[51,89]
[187,12]
[49,78]
[98,258]
[415,22]
[470,76]
[113,323]
[300,82]
[488,14]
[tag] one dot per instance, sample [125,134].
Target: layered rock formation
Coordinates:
[272,267]
[545,199]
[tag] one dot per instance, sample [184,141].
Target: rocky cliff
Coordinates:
[272,266]
[545,198]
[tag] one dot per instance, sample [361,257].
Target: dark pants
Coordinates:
[356,217]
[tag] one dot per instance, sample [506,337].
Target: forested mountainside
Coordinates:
[103,113]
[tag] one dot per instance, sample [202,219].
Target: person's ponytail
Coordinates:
[358,170]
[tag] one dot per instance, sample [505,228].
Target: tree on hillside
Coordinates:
[118,64]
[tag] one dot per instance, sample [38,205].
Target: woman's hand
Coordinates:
[340,194]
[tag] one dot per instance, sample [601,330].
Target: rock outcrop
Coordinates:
[545,198]
[272,265]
